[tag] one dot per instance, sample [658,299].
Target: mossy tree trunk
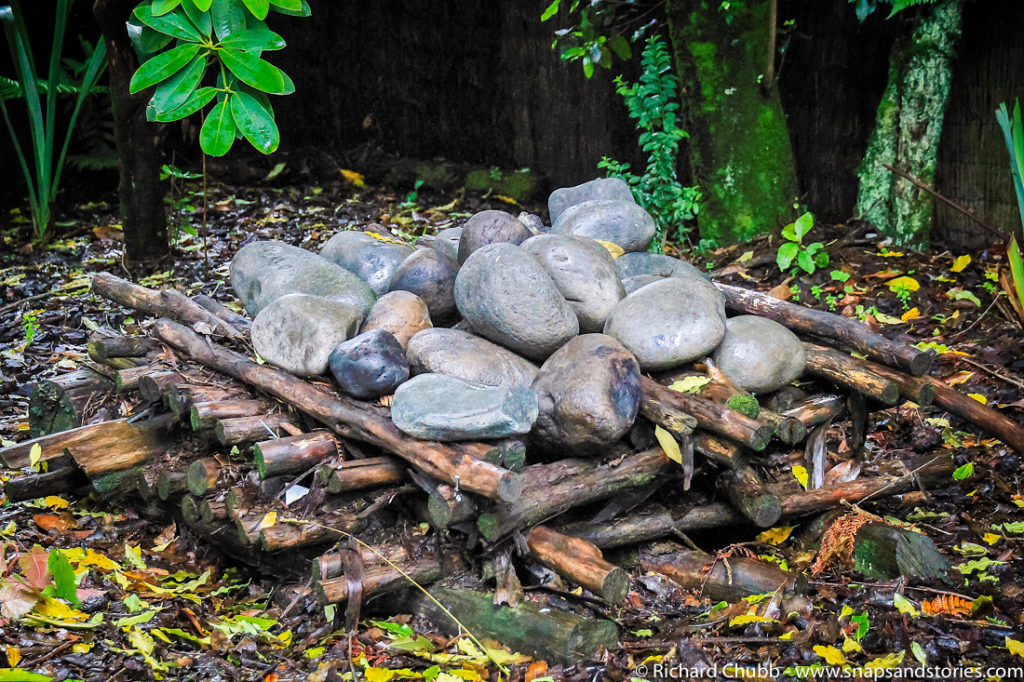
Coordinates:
[739,149]
[908,127]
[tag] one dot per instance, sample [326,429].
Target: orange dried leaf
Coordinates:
[536,669]
[947,605]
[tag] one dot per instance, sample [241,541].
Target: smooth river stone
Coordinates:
[429,274]
[447,242]
[657,264]
[370,365]
[759,355]
[466,356]
[670,322]
[506,296]
[370,259]
[588,392]
[262,272]
[402,313]
[491,227]
[631,284]
[446,408]
[620,222]
[584,273]
[297,332]
[598,188]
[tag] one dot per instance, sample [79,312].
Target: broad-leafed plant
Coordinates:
[1013,131]
[206,56]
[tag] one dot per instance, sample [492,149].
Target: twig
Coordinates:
[983,368]
[974,324]
[11,306]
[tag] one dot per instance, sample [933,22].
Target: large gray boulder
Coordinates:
[655,264]
[262,272]
[369,365]
[429,274]
[297,332]
[446,408]
[621,222]
[460,354]
[631,284]
[447,242]
[584,273]
[402,313]
[670,322]
[588,392]
[759,355]
[598,188]
[370,259]
[507,296]
[490,227]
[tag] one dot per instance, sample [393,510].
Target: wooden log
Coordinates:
[330,528]
[201,476]
[332,564]
[171,482]
[205,415]
[380,579]
[509,454]
[578,561]
[127,379]
[244,430]
[748,493]
[729,579]
[102,347]
[532,628]
[157,303]
[347,417]
[709,416]
[225,313]
[212,510]
[982,416]
[97,448]
[182,396]
[817,409]
[117,483]
[190,511]
[293,454]
[355,474]
[594,482]
[153,386]
[847,331]
[63,402]
[845,370]
[446,507]
[919,390]
[787,429]
[56,482]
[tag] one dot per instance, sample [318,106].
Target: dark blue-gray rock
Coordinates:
[429,274]
[370,259]
[620,222]
[264,271]
[446,408]
[370,365]
[670,322]
[447,242]
[584,273]
[461,354]
[506,296]
[631,284]
[588,393]
[759,355]
[598,188]
[656,264]
[402,313]
[533,223]
[297,332]
[490,227]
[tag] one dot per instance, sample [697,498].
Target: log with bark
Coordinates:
[729,578]
[845,370]
[293,454]
[447,506]
[64,402]
[361,473]
[985,418]
[380,578]
[578,561]
[205,415]
[245,430]
[710,416]
[104,347]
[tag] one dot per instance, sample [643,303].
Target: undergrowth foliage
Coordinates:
[652,103]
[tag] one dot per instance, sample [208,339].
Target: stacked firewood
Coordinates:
[278,470]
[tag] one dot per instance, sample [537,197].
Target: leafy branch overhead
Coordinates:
[180,42]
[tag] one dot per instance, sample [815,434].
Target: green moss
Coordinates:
[521,185]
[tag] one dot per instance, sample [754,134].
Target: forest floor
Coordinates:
[163,607]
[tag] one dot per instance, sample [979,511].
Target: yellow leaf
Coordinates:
[34,454]
[94,558]
[979,397]
[314,652]
[1016,648]
[911,314]
[612,247]
[887,319]
[991,538]
[887,662]
[747,618]
[788,635]
[903,605]
[832,655]
[668,444]
[507,200]
[775,536]
[378,674]
[904,282]
[55,502]
[268,520]
[890,254]
[133,555]
[13,656]
[58,610]
[1018,500]
[352,177]
[851,646]
[141,640]
[83,647]
[960,263]
[801,475]
[690,384]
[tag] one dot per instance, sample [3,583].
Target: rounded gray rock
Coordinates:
[657,264]
[429,274]
[598,188]
[631,284]
[670,322]
[491,227]
[447,242]
[402,313]
[620,222]
[372,260]
[369,365]
[588,393]
[297,332]
[506,296]
[461,354]
[759,355]
[584,273]
[446,408]
[262,272]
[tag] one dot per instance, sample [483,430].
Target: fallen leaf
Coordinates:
[34,567]
[614,249]
[905,283]
[690,384]
[112,232]
[775,536]
[352,177]
[979,397]
[911,314]
[960,263]
[832,655]
[268,521]
[50,522]
[1015,647]
[801,475]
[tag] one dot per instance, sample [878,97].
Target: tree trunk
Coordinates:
[740,152]
[138,144]
[908,127]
